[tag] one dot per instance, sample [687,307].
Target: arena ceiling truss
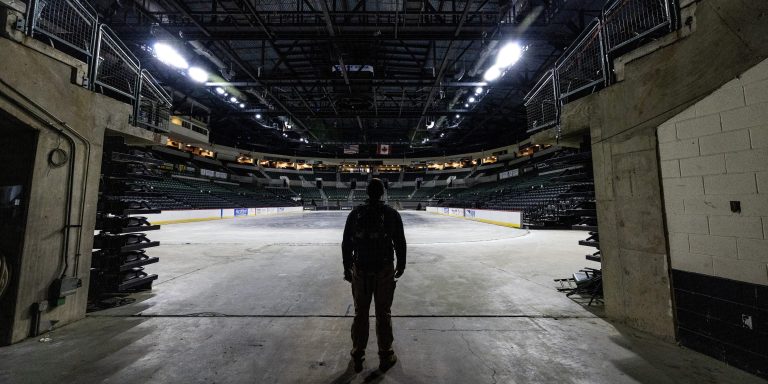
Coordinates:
[333,72]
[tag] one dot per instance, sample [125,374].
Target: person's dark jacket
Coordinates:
[393,224]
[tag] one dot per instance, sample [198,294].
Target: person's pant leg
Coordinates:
[362,292]
[383,296]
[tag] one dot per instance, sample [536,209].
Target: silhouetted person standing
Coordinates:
[372,236]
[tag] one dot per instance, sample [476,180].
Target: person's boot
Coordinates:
[357,362]
[387,362]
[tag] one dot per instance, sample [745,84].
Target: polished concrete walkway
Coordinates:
[262,300]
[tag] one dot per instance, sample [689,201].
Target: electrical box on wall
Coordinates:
[61,288]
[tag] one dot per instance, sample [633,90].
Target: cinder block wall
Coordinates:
[714,167]
[712,154]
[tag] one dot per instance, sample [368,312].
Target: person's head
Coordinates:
[375,189]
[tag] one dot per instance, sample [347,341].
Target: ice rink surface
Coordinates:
[262,300]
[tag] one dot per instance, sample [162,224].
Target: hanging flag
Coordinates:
[383,149]
[352,149]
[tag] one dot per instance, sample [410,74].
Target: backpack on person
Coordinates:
[372,242]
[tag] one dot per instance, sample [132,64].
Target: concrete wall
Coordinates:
[722,39]
[714,153]
[40,93]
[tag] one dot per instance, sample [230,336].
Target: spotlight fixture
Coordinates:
[198,74]
[478,90]
[168,55]
[471,99]
[458,116]
[509,55]
[220,90]
[492,74]
[233,99]
[258,115]
[430,124]
[242,105]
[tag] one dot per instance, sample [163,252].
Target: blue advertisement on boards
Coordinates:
[241,212]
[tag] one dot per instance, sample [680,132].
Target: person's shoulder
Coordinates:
[391,210]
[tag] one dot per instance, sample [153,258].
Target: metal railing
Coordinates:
[115,68]
[69,22]
[542,105]
[154,106]
[627,21]
[585,66]
[73,27]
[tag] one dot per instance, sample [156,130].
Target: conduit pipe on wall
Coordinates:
[62,130]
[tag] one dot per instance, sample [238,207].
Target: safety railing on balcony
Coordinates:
[154,106]
[73,27]
[115,69]
[627,21]
[585,66]
[542,105]
[70,23]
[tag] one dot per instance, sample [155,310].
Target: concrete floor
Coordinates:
[262,300]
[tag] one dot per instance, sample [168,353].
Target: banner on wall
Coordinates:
[508,174]
[241,212]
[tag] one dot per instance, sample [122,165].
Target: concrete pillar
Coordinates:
[36,88]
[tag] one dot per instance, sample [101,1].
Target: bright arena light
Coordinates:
[168,55]
[509,55]
[466,105]
[198,74]
[478,90]
[471,99]
[220,90]
[233,99]
[457,115]
[492,74]
[242,105]
[258,115]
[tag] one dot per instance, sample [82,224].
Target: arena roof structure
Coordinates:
[312,76]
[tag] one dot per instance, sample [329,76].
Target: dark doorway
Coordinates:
[17,156]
